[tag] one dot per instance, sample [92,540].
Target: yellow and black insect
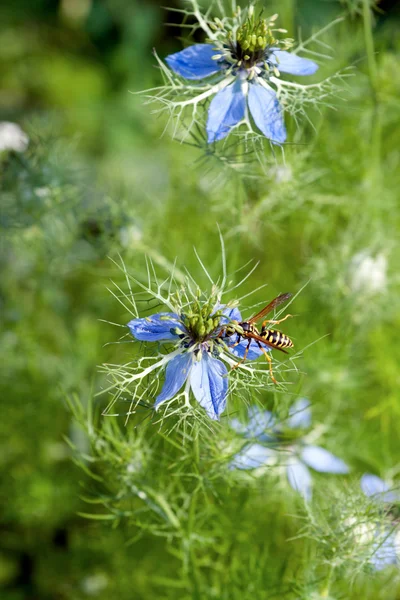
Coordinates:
[272,338]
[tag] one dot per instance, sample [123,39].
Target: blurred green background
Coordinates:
[99,179]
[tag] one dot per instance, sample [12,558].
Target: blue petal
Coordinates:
[228,315]
[385,550]
[176,373]
[372,485]
[209,381]
[239,350]
[226,110]
[231,314]
[300,479]
[195,62]
[238,426]
[323,461]
[266,112]
[259,421]
[291,63]
[161,326]
[256,427]
[299,415]
[251,457]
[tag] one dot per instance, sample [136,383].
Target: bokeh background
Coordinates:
[98,180]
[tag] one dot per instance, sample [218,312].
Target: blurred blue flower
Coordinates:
[386,547]
[244,66]
[299,455]
[373,486]
[194,359]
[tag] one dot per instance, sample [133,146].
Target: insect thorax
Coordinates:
[232,328]
[249,327]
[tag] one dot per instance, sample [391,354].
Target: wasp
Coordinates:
[271,338]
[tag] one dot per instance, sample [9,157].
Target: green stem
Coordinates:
[373,166]
[369,45]
[193,571]
[326,589]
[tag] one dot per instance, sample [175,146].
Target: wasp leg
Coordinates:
[269,359]
[273,322]
[244,355]
[238,340]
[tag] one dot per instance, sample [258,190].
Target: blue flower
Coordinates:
[373,486]
[194,362]
[299,455]
[386,547]
[246,63]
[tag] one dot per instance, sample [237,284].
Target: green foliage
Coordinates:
[91,506]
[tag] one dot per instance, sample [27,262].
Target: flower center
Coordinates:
[252,38]
[201,323]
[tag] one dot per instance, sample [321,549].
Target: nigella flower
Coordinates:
[386,542]
[246,61]
[284,442]
[379,490]
[195,360]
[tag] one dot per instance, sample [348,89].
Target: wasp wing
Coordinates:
[267,309]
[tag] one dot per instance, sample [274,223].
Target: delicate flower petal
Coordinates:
[231,314]
[251,457]
[176,373]
[226,110]
[372,485]
[239,350]
[161,326]
[386,551]
[209,382]
[194,62]
[323,461]
[299,478]
[291,63]
[238,426]
[259,421]
[299,415]
[266,112]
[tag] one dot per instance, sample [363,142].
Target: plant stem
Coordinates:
[369,46]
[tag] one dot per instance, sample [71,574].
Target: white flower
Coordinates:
[94,584]
[130,235]
[12,137]
[368,274]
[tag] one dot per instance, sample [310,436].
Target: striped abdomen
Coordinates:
[276,338]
